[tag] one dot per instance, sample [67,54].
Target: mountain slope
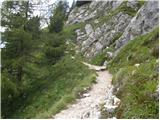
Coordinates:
[123,35]
[135,77]
[112,24]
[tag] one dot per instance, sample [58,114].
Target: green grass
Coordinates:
[50,88]
[98,59]
[65,79]
[53,87]
[137,85]
[116,37]
[68,31]
[136,51]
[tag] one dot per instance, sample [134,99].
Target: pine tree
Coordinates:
[58,17]
[54,48]
[21,32]
[18,40]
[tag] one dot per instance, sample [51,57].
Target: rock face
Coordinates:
[93,41]
[108,24]
[145,20]
[90,11]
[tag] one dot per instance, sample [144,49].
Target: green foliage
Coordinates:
[137,85]
[119,77]
[54,48]
[99,59]
[136,92]
[9,90]
[20,39]
[141,3]
[128,10]
[38,78]
[33,26]
[69,30]
[116,37]
[136,51]
[58,17]
[66,78]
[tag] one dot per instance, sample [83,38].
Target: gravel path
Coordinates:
[89,106]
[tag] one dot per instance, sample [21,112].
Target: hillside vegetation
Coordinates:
[42,69]
[136,73]
[41,73]
[58,86]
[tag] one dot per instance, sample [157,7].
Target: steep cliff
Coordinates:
[112,23]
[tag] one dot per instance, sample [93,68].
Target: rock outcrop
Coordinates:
[145,20]
[112,23]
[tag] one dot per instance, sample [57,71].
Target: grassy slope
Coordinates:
[60,87]
[137,85]
[57,85]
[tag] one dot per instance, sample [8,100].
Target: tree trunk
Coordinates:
[19,74]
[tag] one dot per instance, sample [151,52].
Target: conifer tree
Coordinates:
[58,17]
[19,38]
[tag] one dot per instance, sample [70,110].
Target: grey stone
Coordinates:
[98,46]
[98,32]
[79,32]
[88,29]
[133,4]
[145,20]
[91,39]
[116,4]
[96,21]
[105,63]
[109,54]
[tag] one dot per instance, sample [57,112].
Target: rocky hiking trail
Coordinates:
[90,104]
